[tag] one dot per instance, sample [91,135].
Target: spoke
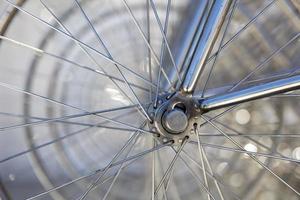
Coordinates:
[146,41]
[200,149]
[89,55]
[45,144]
[110,56]
[267,60]
[197,179]
[57,57]
[162,51]
[69,122]
[160,163]
[278,75]
[131,158]
[211,171]
[168,179]
[220,115]
[120,169]
[80,42]
[95,182]
[251,139]
[70,106]
[100,72]
[248,152]
[156,148]
[165,187]
[251,156]
[153,171]
[161,28]
[113,176]
[63,118]
[72,134]
[233,38]
[148,51]
[220,46]
[169,169]
[210,174]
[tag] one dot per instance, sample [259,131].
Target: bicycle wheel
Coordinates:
[84,86]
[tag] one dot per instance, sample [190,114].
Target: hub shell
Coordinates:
[174,117]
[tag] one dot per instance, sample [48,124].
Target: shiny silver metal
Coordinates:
[175,121]
[186,42]
[209,28]
[63,161]
[250,93]
[174,117]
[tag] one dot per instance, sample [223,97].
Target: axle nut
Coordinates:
[175,121]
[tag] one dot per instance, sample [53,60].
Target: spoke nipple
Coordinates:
[195,125]
[165,140]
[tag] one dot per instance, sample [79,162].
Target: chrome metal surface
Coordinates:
[184,43]
[250,93]
[175,121]
[211,28]
[90,106]
[174,117]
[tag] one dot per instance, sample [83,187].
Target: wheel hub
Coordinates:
[174,117]
[175,121]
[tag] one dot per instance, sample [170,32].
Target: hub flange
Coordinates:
[174,117]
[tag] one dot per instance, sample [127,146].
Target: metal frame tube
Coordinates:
[211,29]
[184,42]
[250,93]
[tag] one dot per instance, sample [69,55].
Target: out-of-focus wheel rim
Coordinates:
[68,160]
